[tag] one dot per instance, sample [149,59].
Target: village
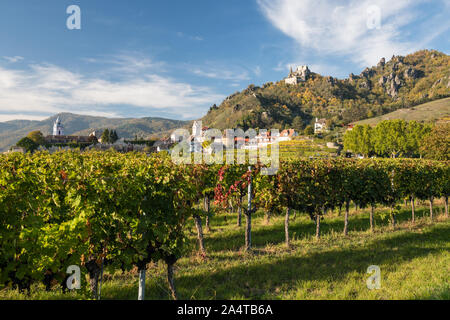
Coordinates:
[201,139]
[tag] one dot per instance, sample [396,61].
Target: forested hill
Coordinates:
[12,131]
[401,82]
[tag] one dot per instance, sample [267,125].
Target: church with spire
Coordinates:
[58,128]
[58,137]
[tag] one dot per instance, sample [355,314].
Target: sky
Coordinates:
[175,59]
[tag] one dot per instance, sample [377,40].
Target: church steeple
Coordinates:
[57,128]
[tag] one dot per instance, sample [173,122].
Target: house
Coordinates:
[264,137]
[287,135]
[320,125]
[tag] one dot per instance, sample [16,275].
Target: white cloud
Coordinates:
[257,71]
[213,72]
[44,89]
[126,62]
[341,28]
[20,116]
[13,59]
[183,35]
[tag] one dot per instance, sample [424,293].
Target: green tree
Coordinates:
[436,145]
[390,138]
[28,144]
[113,137]
[37,137]
[309,130]
[415,132]
[106,136]
[359,140]
[297,123]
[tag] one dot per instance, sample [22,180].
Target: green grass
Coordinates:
[426,112]
[414,261]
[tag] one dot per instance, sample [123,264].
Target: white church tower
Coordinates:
[58,128]
[197,129]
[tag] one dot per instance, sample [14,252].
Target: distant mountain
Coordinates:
[401,82]
[12,131]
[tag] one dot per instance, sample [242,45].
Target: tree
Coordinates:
[28,144]
[436,145]
[415,132]
[359,140]
[309,130]
[37,137]
[106,136]
[297,123]
[113,137]
[390,138]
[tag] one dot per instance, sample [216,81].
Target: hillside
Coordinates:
[401,82]
[12,131]
[426,112]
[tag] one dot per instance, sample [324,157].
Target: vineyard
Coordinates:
[126,211]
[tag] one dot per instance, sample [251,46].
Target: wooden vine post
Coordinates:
[248,229]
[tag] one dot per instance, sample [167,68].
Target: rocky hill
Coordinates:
[401,82]
[12,131]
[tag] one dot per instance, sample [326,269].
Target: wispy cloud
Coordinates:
[257,71]
[126,63]
[183,35]
[223,73]
[20,116]
[44,89]
[13,59]
[342,28]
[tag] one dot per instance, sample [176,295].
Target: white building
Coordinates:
[320,125]
[58,128]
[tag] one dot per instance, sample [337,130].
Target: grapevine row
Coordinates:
[99,209]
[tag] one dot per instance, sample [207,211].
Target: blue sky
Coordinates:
[175,59]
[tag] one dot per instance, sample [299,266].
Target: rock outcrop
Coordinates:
[410,73]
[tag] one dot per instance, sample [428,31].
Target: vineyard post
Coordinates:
[206,205]
[347,209]
[431,208]
[413,213]
[317,226]
[372,208]
[393,217]
[286,225]
[141,295]
[198,225]
[446,206]
[239,218]
[101,281]
[248,230]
